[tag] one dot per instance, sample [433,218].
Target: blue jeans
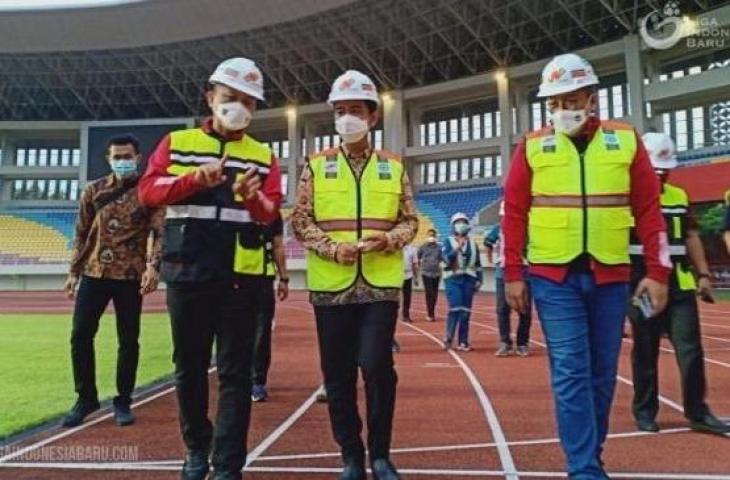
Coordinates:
[583,323]
[460,290]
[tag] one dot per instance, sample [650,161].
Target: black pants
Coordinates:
[431,284]
[261,361]
[681,322]
[200,314]
[352,336]
[503,317]
[91,301]
[407,292]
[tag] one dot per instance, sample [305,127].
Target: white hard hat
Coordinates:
[240,74]
[353,85]
[660,147]
[459,216]
[566,73]
[501,208]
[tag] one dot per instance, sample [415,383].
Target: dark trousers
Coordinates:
[200,314]
[681,322]
[92,299]
[261,361]
[352,336]
[407,292]
[431,285]
[503,318]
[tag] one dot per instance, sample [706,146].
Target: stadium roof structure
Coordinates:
[152,58]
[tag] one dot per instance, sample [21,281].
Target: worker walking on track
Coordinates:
[275,266]
[575,189]
[219,185]
[463,277]
[354,214]
[681,319]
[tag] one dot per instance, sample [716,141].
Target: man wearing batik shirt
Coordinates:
[111,261]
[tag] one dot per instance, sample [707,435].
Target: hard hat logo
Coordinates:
[556,75]
[347,84]
[252,77]
[580,73]
[368,87]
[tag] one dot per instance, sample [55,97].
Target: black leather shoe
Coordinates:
[123,415]
[226,476]
[384,470]
[710,424]
[195,466]
[353,470]
[79,412]
[647,425]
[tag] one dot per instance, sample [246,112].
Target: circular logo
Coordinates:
[662,30]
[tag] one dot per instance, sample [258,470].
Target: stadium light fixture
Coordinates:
[387,98]
[500,75]
[291,112]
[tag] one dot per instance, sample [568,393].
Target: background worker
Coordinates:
[275,265]
[463,276]
[111,261]
[410,276]
[575,189]
[494,243]
[354,214]
[429,260]
[219,185]
[680,321]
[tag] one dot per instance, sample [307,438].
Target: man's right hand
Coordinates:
[347,253]
[69,287]
[517,298]
[211,174]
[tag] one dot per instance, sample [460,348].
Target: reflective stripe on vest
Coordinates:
[580,202]
[675,206]
[189,150]
[470,267]
[349,209]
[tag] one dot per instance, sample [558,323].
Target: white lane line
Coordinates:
[281,429]
[662,398]
[505,456]
[405,471]
[84,426]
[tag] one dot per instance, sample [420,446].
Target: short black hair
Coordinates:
[126,139]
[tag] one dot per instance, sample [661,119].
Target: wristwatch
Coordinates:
[284,279]
[705,275]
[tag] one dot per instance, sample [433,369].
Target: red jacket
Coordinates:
[157,187]
[645,206]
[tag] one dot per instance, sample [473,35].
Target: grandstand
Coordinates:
[457,96]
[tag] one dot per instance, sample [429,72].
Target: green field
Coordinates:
[36,378]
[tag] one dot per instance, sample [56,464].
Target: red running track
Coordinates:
[466,415]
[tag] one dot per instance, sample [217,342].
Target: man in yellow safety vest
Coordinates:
[354,214]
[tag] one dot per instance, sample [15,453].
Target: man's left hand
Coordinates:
[373,243]
[150,281]
[282,290]
[657,292]
[248,185]
[704,287]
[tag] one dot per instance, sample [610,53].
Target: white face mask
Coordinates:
[233,115]
[569,122]
[461,228]
[351,128]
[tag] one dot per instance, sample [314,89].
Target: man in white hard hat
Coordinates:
[463,276]
[575,189]
[354,214]
[219,185]
[690,278]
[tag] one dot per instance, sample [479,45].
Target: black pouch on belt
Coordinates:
[250,236]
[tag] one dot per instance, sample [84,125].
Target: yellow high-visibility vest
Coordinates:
[580,202]
[675,208]
[349,209]
[193,148]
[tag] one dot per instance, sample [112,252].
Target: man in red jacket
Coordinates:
[575,189]
[219,186]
